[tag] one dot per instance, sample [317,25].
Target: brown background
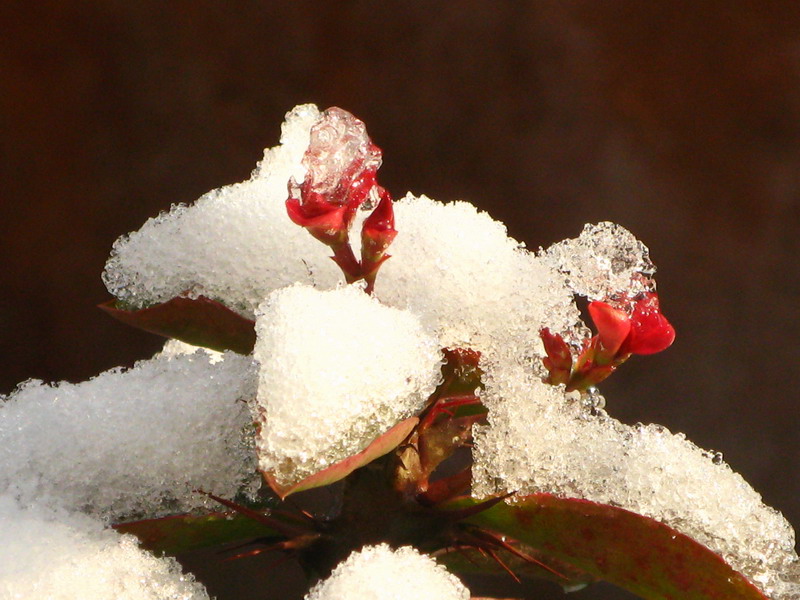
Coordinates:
[678,119]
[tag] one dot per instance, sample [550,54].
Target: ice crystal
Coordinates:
[605,261]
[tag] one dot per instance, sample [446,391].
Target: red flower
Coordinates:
[644,331]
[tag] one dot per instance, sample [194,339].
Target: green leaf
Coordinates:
[633,552]
[379,446]
[199,321]
[182,533]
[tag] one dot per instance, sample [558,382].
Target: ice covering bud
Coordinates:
[341,162]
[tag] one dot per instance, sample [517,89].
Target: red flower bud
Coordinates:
[644,331]
[341,162]
[326,222]
[650,330]
[558,361]
[378,230]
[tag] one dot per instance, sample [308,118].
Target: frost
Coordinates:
[380,573]
[541,440]
[59,556]
[132,443]
[337,370]
[605,261]
[340,151]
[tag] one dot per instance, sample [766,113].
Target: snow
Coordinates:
[338,369]
[55,555]
[133,443]
[540,439]
[380,573]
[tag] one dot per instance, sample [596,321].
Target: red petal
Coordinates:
[651,332]
[613,325]
[327,222]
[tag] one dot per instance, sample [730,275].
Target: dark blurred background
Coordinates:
[680,120]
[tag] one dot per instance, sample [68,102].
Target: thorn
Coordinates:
[300,511]
[284,529]
[266,541]
[464,513]
[256,551]
[495,539]
[505,567]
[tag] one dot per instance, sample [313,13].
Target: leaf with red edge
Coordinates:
[380,446]
[199,321]
[633,552]
[182,533]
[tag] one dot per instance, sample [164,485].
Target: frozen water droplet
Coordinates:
[594,399]
[605,261]
[339,154]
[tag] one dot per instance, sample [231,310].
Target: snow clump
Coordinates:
[338,369]
[235,244]
[540,439]
[133,443]
[380,573]
[52,554]
[470,283]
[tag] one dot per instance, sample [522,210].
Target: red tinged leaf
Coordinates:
[182,533]
[633,552]
[613,325]
[199,321]
[379,446]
